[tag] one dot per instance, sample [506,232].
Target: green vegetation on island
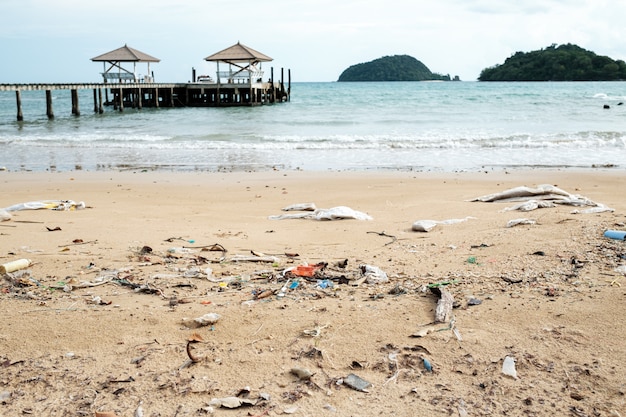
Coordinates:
[556,63]
[391,68]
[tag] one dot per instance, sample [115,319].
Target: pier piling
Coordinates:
[18,99]
[75,108]
[49,111]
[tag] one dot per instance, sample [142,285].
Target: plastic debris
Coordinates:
[428,225]
[301,207]
[231,402]
[357,383]
[334,213]
[4,215]
[373,274]
[60,205]
[14,265]
[615,234]
[517,222]
[209,318]
[427,365]
[508,367]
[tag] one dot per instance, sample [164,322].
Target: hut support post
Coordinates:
[121,100]
[282,84]
[75,108]
[139,98]
[49,111]
[95,101]
[18,99]
[156,97]
[273,99]
[288,85]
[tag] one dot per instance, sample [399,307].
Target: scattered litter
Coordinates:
[615,234]
[357,383]
[427,365]
[531,205]
[231,402]
[246,258]
[373,274]
[517,222]
[601,208]
[14,265]
[301,207]
[508,367]
[335,213]
[209,318]
[541,192]
[60,205]
[428,225]
[303,374]
[4,215]
[474,302]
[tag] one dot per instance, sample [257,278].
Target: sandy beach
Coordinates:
[104,320]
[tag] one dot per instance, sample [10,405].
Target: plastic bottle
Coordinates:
[14,265]
[615,234]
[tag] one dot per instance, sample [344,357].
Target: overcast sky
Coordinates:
[54,40]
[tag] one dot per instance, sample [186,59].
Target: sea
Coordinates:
[413,126]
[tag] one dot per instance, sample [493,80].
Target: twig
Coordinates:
[393,238]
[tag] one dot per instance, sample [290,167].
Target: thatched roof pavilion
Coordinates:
[245,60]
[124,54]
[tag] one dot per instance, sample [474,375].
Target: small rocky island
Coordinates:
[556,63]
[392,68]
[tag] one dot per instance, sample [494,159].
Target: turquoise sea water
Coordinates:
[425,126]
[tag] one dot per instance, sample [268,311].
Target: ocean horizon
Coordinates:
[418,126]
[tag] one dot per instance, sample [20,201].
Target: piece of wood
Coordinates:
[444,307]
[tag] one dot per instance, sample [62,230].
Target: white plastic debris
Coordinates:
[517,222]
[428,225]
[301,207]
[373,274]
[334,213]
[209,318]
[4,215]
[508,367]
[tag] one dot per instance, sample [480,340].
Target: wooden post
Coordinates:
[100,108]
[171,97]
[49,111]
[18,99]
[282,84]
[156,97]
[75,108]
[273,99]
[289,85]
[139,98]
[121,100]
[95,101]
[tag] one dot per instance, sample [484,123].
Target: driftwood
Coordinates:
[444,305]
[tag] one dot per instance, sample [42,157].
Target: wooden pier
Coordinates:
[137,95]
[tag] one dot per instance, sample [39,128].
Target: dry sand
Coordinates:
[72,350]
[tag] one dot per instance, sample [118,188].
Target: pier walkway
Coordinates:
[142,94]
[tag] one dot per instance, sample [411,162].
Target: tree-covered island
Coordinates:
[556,63]
[391,68]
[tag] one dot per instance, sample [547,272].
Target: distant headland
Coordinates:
[556,63]
[392,68]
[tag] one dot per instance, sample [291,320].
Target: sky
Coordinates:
[44,41]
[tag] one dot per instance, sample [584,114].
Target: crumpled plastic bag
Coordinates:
[428,225]
[373,274]
[334,213]
[61,205]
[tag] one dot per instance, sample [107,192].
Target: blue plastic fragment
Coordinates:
[427,365]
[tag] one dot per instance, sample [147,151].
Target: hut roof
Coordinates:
[126,54]
[238,53]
